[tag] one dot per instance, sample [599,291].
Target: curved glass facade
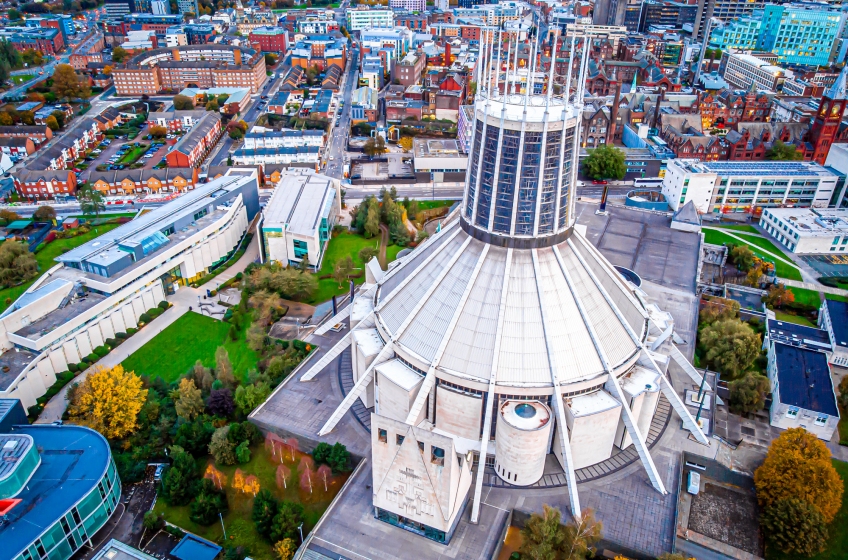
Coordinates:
[71,530]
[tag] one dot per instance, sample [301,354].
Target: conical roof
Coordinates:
[475,308]
[839,89]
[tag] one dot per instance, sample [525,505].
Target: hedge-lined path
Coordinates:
[184,300]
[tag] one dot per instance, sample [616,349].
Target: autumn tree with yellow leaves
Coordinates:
[285,549]
[108,401]
[190,404]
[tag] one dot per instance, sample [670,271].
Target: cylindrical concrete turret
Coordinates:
[522,436]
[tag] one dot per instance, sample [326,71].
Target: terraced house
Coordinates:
[135,181]
[192,148]
[101,288]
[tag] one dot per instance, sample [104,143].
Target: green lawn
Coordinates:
[781,316]
[190,338]
[808,297]
[340,246]
[757,245]
[241,530]
[132,155]
[430,204]
[18,80]
[737,228]
[835,297]
[392,252]
[45,257]
[837,543]
[843,428]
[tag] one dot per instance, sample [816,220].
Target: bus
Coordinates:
[651,182]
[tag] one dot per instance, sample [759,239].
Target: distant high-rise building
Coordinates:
[160,7]
[188,6]
[119,7]
[800,33]
[724,10]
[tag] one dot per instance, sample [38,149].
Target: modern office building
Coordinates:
[299,218]
[750,187]
[409,5]
[739,34]
[199,66]
[102,287]
[801,33]
[506,338]
[366,17]
[58,486]
[160,7]
[808,231]
[187,7]
[724,11]
[119,7]
[833,317]
[443,160]
[666,13]
[270,39]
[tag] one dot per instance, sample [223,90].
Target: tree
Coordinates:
[67,85]
[322,452]
[255,336]
[223,367]
[17,264]
[731,346]
[212,105]
[220,402]
[405,143]
[367,253]
[195,436]
[108,401]
[153,522]
[221,448]
[183,103]
[748,394]
[375,146]
[372,220]
[13,14]
[158,131]
[203,377]
[718,309]
[778,296]
[798,466]
[6,119]
[581,536]
[249,397]
[265,507]
[236,134]
[267,304]
[283,474]
[208,503]
[605,162]
[742,257]
[91,201]
[52,123]
[32,57]
[218,478]
[179,481]
[285,549]
[543,535]
[27,117]
[295,284]
[792,525]
[339,458]
[783,152]
[190,402]
[288,519]
[342,270]
[270,59]
[843,393]
[119,54]
[107,70]
[44,214]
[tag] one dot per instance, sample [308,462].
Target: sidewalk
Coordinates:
[186,298]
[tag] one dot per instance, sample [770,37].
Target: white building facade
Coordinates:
[362,18]
[817,231]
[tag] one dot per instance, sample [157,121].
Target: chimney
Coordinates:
[175,53]
[614,113]
[237,57]
[447,59]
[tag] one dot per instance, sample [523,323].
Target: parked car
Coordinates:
[599,182]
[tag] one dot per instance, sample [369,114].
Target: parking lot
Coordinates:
[119,153]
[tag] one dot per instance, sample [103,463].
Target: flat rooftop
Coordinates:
[759,168]
[804,379]
[813,222]
[299,202]
[58,317]
[16,360]
[838,311]
[798,335]
[73,460]
[427,147]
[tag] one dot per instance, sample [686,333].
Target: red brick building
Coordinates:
[269,39]
[192,148]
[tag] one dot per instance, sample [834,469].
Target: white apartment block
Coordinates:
[810,231]
[742,187]
[176,37]
[362,18]
[410,5]
[741,69]
[286,138]
[101,288]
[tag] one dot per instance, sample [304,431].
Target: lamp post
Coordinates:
[221,516]
[299,528]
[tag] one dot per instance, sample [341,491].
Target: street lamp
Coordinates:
[222,525]
[299,528]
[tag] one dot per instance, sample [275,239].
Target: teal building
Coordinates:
[58,486]
[741,34]
[800,33]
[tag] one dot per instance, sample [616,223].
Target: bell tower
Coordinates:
[826,124]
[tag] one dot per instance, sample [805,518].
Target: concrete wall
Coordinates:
[392,401]
[458,413]
[520,454]
[592,436]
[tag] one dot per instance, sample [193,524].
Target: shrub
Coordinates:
[101,351]
[154,312]
[300,346]
[73,368]
[239,275]
[111,342]
[121,335]
[144,318]
[233,333]
[163,305]
[131,331]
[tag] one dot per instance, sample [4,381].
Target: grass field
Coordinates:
[782,269]
[736,228]
[392,252]
[781,316]
[808,297]
[837,543]
[341,246]
[18,80]
[843,428]
[430,204]
[192,337]
[45,257]
[132,155]
[241,531]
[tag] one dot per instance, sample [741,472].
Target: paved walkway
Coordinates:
[182,302]
[815,287]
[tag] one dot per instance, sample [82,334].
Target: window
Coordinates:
[65,527]
[437,456]
[39,548]
[399,439]
[200,214]
[821,420]
[382,435]
[76,516]
[421,446]
[792,412]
